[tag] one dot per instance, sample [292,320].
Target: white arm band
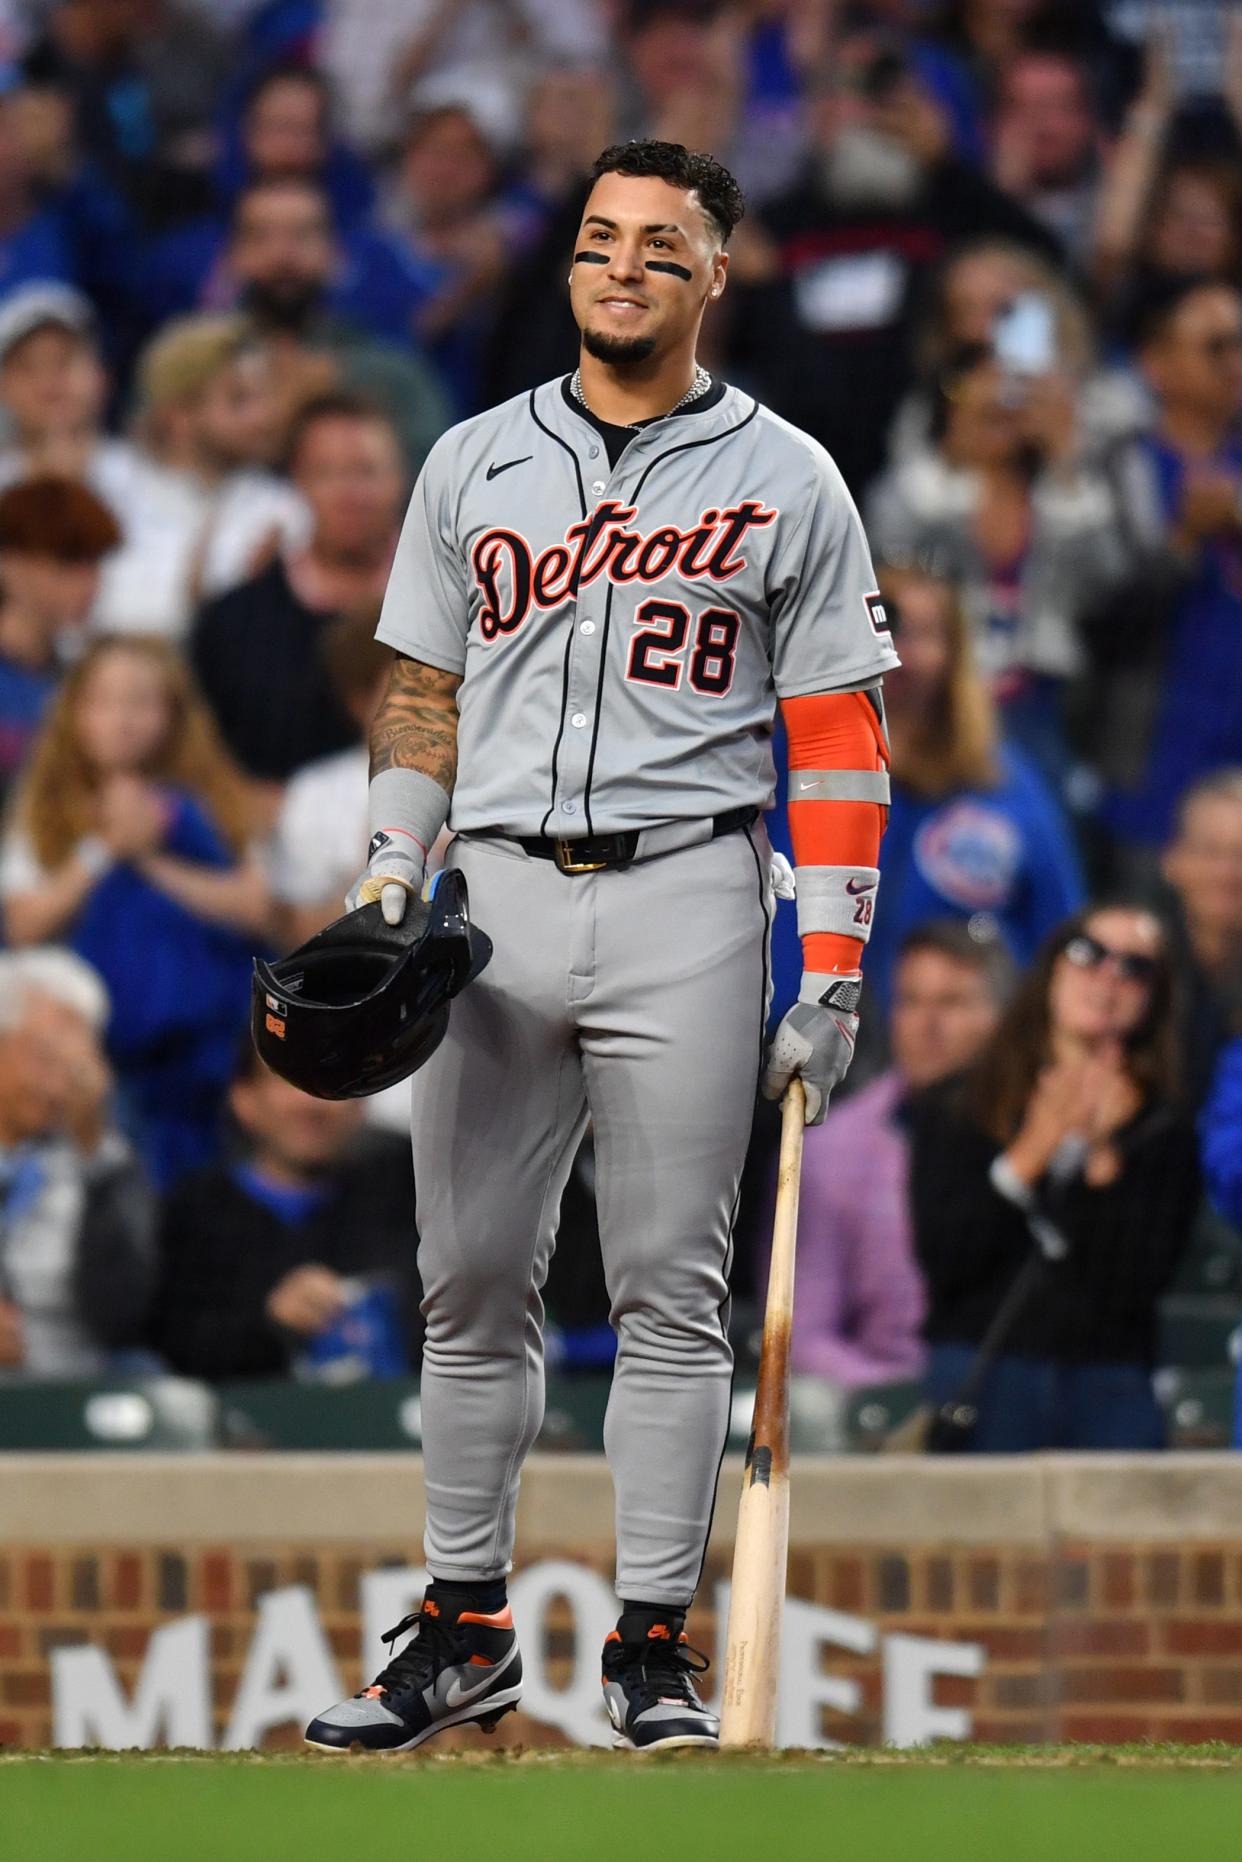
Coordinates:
[837,898]
[839,785]
[405,803]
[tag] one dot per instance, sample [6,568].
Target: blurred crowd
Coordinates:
[255,256]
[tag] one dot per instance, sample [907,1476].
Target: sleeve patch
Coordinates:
[874,604]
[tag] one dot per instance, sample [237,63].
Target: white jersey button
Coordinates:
[597,486]
[587,627]
[578,720]
[569,808]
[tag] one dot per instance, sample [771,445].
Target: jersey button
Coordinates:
[569,808]
[578,720]
[597,486]
[587,627]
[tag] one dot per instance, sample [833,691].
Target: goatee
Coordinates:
[618,351]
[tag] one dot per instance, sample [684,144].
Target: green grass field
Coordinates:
[1084,1804]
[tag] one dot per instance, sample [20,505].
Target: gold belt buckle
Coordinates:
[565,859]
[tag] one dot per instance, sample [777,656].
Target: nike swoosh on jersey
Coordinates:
[494,470]
[868,885]
[804,786]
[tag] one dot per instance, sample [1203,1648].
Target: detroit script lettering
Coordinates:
[512,579]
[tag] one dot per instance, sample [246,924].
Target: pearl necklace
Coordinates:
[698,387]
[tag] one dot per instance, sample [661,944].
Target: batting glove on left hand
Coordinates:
[815,1041]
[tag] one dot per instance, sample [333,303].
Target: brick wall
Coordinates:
[1086,1641]
[1106,1590]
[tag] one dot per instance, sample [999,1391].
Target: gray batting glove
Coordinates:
[815,1041]
[392,875]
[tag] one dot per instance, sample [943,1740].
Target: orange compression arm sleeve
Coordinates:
[838,805]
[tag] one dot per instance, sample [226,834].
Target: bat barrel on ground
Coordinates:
[760,1556]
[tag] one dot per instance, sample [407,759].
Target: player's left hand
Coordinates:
[815,1041]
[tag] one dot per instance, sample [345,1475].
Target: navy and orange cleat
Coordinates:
[458,1667]
[649,1690]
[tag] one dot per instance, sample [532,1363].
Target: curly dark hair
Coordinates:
[719,194]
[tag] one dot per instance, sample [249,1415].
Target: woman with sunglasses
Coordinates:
[1064,1140]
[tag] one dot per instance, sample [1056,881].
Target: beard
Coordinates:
[286,303]
[619,352]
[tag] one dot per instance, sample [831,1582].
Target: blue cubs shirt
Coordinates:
[1006,853]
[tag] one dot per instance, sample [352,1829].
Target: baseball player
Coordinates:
[602,589]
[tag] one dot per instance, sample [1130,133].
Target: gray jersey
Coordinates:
[622,634]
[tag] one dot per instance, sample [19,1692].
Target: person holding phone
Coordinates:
[970,301]
[1001,500]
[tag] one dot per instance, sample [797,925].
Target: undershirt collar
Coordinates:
[616,438]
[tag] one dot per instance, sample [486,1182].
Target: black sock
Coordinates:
[486,1595]
[637,1618]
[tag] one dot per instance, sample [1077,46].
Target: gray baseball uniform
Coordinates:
[623,633]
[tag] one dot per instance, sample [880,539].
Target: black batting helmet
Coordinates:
[365,1003]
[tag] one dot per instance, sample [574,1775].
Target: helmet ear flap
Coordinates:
[449,903]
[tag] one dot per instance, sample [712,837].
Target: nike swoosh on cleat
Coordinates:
[455,1694]
[494,470]
[867,886]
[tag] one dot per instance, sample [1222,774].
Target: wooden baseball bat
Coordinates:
[752,1663]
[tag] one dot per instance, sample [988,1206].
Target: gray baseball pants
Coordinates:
[635,998]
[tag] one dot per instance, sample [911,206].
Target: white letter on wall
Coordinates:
[804,1690]
[578,1709]
[289,1673]
[172,1701]
[911,1718]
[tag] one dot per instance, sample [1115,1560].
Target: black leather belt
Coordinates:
[597,853]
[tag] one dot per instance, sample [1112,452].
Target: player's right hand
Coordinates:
[392,875]
[815,1042]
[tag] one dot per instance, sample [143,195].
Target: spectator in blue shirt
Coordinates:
[286,129]
[1168,648]
[974,829]
[36,237]
[283,268]
[285,134]
[129,844]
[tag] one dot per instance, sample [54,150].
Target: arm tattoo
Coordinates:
[417,723]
